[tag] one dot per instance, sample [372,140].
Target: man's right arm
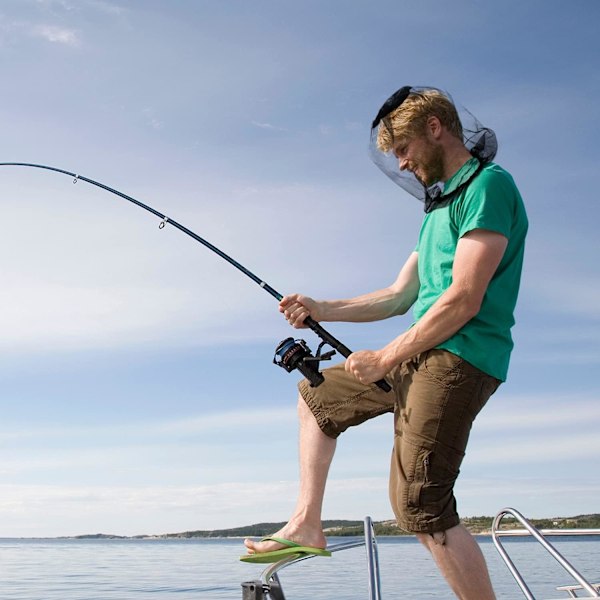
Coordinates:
[393,300]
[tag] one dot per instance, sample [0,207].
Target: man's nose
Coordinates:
[403,163]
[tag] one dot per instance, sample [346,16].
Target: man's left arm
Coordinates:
[478,254]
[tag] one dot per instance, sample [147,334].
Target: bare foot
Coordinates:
[301,533]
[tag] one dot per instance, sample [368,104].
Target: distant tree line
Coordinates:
[345,528]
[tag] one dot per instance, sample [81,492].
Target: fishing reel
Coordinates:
[293,354]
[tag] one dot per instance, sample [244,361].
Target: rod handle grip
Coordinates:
[341,348]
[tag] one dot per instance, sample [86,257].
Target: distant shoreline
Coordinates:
[480,526]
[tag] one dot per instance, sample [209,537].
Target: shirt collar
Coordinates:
[461,176]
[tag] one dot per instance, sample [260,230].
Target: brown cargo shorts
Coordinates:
[435,398]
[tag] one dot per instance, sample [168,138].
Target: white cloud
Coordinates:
[63,510]
[49,510]
[55,34]
[203,448]
[533,496]
[151,118]
[64,5]
[67,6]
[52,510]
[566,292]
[538,413]
[108,7]
[82,317]
[523,432]
[535,448]
[233,422]
[267,126]
[14,29]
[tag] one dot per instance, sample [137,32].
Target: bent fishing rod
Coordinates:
[291,353]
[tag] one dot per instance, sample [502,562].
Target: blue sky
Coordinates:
[138,394]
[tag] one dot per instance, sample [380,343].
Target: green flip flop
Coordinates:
[292,548]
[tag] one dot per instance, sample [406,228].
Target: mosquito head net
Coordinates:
[404,114]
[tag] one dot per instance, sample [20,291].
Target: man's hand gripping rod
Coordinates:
[292,355]
[296,354]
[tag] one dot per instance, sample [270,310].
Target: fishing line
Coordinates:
[290,353]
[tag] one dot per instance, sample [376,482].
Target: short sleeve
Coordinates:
[488,203]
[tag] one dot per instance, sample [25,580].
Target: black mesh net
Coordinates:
[480,141]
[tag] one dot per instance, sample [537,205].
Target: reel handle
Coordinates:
[337,345]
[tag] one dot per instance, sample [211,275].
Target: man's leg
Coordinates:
[324,412]
[316,452]
[440,396]
[461,562]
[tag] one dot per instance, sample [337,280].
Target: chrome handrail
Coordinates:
[372,561]
[573,589]
[539,536]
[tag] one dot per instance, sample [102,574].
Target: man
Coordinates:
[462,282]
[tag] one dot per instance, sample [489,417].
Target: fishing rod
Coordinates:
[291,353]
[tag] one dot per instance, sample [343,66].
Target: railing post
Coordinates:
[372,561]
[252,590]
[537,535]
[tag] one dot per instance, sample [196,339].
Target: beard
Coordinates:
[430,165]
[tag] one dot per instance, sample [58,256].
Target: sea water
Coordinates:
[206,569]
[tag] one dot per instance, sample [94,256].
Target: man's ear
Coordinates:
[434,127]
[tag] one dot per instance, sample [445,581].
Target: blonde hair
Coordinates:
[410,118]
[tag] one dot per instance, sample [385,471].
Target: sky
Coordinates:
[138,394]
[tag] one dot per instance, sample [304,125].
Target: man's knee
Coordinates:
[422,482]
[429,518]
[341,401]
[432,539]
[308,419]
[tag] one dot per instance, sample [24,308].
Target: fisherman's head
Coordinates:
[417,132]
[410,119]
[413,132]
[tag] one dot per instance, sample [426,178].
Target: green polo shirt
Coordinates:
[492,202]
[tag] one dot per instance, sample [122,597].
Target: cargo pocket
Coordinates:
[420,476]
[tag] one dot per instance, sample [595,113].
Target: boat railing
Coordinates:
[540,535]
[269,586]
